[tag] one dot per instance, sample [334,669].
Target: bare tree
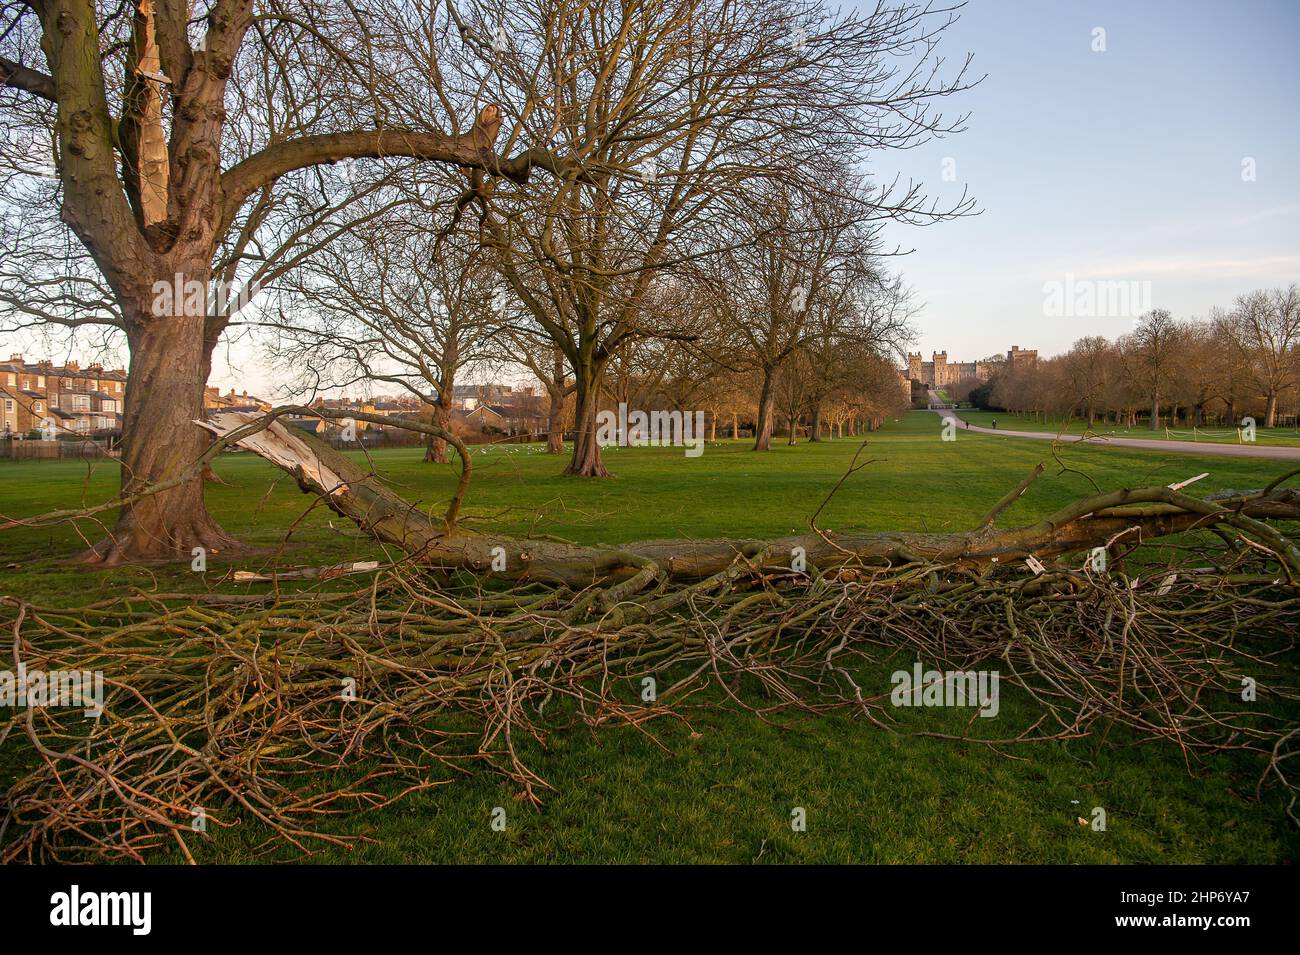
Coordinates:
[377,305]
[166,190]
[546,361]
[678,110]
[795,261]
[1267,326]
[790,392]
[1150,355]
[1085,371]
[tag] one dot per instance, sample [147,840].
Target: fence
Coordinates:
[29,450]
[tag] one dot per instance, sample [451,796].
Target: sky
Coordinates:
[1119,166]
[1170,159]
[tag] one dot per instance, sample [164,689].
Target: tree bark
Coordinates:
[586,460]
[555,415]
[435,448]
[815,426]
[766,404]
[555,426]
[164,395]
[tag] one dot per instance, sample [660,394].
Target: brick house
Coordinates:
[60,398]
[214,400]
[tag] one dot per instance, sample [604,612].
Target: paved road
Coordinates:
[1274,452]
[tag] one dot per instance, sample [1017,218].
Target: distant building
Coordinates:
[489,416]
[56,399]
[1021,357]
[939,372]
[214,400]
[469,397]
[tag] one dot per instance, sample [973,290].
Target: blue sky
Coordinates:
[1123,165]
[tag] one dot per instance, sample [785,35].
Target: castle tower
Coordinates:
[940,369]
[1020,357]
[914,366]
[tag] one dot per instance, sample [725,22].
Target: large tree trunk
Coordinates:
[164,396]
[1155,413]
[586,460]
[1270,410]
[766,407]
[815,425]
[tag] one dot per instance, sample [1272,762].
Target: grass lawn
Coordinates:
[1218,434]
[722,789]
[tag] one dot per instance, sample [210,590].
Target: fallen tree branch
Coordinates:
[1082,525]
[284,711]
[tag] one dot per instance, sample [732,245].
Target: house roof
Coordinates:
[116,374]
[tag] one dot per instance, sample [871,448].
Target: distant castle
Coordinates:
[940,372]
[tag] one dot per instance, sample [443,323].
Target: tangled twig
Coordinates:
[255,709]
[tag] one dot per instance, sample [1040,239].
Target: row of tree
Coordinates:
[1239,361]
[796,321]
[608,165]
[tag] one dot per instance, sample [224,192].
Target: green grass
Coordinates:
[1217,434]
[915,482]
[722,789]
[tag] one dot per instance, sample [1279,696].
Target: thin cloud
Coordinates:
[1199,268]
[1274,212]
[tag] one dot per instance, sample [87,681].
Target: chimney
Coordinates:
[72,366]
[16,358]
